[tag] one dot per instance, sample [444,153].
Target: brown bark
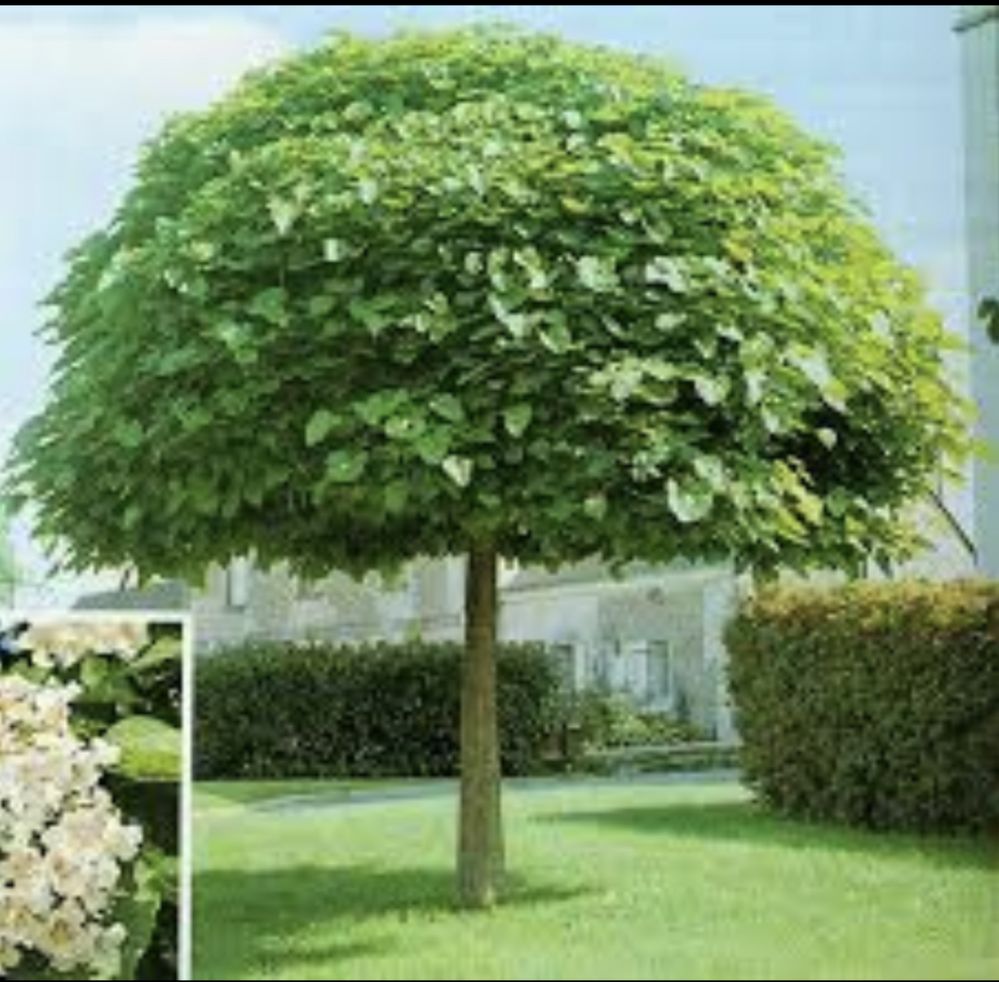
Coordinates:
[480,835]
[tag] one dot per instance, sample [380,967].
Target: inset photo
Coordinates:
[92,761]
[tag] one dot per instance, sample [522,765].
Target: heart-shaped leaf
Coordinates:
[459,469]
[517,418]
[319,426]
[345,466]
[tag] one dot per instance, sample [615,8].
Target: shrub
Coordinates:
[607,719]
[872,704]
[278,710]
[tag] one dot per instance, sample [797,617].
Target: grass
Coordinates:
[215,795]
[639,881]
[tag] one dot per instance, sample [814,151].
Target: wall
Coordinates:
[979,34]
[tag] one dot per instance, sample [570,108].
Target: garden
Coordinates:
[493,294]
[859,843]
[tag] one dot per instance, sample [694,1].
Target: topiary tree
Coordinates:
[485,293]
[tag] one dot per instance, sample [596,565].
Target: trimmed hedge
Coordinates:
[278,710]
[872,704]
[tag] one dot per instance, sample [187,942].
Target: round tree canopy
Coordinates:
[395,297]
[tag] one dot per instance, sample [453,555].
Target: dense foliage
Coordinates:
[391,297]
[8,564]
[874,704]
[268,710]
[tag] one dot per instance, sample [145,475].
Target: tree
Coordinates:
[9,574]
[490,294]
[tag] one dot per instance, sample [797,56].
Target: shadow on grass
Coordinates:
[750,823]
[265,922]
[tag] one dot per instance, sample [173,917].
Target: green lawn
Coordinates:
[216,795]
[608,882]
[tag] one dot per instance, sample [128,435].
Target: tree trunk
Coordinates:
[480,837]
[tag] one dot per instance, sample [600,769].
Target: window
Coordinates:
[237,584]
[597,672]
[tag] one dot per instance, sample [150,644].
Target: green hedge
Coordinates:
[274,710]
[873,704]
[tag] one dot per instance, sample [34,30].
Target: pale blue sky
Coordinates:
[80,87]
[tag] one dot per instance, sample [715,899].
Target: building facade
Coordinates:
[978,30]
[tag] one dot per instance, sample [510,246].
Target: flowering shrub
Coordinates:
[63,838]
[88,746]
[63,644]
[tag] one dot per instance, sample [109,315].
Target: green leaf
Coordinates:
[406,425]
[284,214]
[517,324]
[165,650]
[689,504]
[93,671]
[380,405]
[234,336]
[596,273]
[150,749]
[670,321]
[754,378]
[449,407]
[137,911]
[711,391]
[772,421]
[433,444]
[556,338]
[811,507]
[834,395]
[334,250]
[459,469]
[517,418]
[668,272]
[827,437]
[107,682]
[346,466]
[813,364]
[128,433]
[321,305]
[270,304]
[321,424]
[595,506]
[711,470]
[373,313]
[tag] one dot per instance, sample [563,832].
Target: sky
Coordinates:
[81,87]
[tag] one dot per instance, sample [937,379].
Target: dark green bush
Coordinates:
[873,704]
[275,710]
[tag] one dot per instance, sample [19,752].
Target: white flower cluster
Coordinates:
[62,840]
[62,643]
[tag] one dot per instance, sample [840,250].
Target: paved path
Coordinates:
[441,788]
